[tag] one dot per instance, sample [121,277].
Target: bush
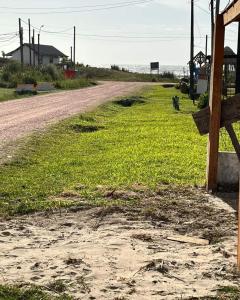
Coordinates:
[51,71]
[177,86]
[168,75]
[115,67]
[13,67]
[203,101]
[69,84]
[184,88]
[29,80]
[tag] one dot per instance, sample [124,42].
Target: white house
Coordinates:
[47,54]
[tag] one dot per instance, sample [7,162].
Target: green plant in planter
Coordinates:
[203,101]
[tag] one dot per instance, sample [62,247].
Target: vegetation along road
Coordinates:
[20,117]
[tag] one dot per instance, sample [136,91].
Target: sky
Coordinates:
[109,32]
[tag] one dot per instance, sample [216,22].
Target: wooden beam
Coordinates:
[230,113]
[234,139]
[238,247]
[232,13]
[215,103]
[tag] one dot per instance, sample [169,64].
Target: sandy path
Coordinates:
[113,253]
[20,117]
[115,257]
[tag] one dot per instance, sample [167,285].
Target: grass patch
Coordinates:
[84,128]
[147,143]
[70,84]
[224,293]
[7,94]
[119,75]
[130,101]
[26,293]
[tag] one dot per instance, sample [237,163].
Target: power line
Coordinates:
[159,37]
[74,7]
[109,7]
[64,32]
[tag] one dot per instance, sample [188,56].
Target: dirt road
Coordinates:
[20,117]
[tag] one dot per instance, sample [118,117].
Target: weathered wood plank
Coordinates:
[232,13]
[188,239]
[230,113]
[215,103]
[238,245]
[234,139]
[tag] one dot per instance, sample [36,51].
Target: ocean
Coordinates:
[177,70]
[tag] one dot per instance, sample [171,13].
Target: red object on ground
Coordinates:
[70,74]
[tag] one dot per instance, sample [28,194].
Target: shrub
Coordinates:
[29,80]
[177,86]
[184,88]
[73,83]
[115,67]
[52,72]
[15,79]
[168,75]
[203,101]
[13,67]
[6,75]
[30,77]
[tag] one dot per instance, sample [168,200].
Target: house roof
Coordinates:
[228,51]
[232,57]
[44,50]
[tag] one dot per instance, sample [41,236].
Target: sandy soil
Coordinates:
[119,253]
[20,117]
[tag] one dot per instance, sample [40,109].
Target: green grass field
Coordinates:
[148,143]
[115,75]
[30,293]
[7,94]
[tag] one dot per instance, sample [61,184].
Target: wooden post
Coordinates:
[238,245]
[21,40]
[215,103]
[238,63]
[191,63]
[74,46]
[206,48]
[33,44]
[212,25]
[234,139]
[38,49]
[29,41]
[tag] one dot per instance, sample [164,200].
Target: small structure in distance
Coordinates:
[47,54]
[154,66]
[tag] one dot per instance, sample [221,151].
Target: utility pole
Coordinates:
[217,7]
[238,63]
[206,47]
[21,39]
[191,91]
[38,49]
[212,25]
[33,43]
[71,54]
[74,46]
[29,41]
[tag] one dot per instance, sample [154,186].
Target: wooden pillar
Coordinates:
[238,246]
[215,103]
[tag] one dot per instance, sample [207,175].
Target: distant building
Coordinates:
[48,54]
